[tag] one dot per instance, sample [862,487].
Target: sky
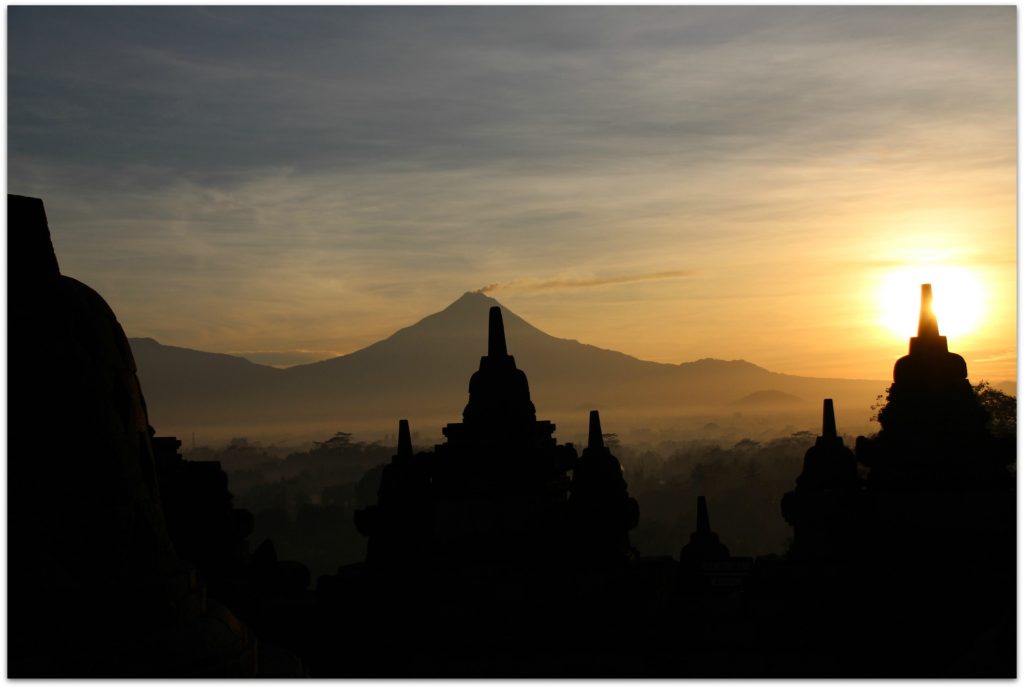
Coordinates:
[680,182]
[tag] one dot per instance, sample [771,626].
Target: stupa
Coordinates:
[933,426]
[704,545]
[495,491]
[600,507]
[95,585]
[824,507]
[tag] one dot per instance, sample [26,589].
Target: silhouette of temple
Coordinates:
[932,424]
[601,511]
[498,489]
[211,534]
[704,545]
[824,507]
[926,542]
[399,525]
[935,471]
[499,481]
[706,567]
[498,553]
[95,584]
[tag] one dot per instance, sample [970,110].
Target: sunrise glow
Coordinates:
[959,299]
[612,181]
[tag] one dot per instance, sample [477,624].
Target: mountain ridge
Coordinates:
[508,314]
[422,371]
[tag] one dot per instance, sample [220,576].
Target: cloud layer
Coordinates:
[578,283]
[270,178]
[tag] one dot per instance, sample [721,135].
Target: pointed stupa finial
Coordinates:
[28,242]
[596,439]
[496,334]
[828,420]
[928,324]
[404,438]
[703,522]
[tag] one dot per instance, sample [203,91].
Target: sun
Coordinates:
[959,299]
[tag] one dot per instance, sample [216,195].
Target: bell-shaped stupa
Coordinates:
[932,423]
[824,506]
[601,511]
[704,545]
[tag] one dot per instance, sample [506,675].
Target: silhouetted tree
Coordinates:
[339,440]
[1001,408]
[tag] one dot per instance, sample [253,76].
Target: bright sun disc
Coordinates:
[958,299]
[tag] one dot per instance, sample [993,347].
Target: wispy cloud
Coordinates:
[227,191]
[581,283]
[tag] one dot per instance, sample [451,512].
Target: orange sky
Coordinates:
[671,182]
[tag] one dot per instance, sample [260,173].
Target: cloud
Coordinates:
[581,283]
[283,178]
[461,88]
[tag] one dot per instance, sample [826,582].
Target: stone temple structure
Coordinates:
[704,545]
[498,553]
[500,481]
[928,542]
[827,501]
[601,511]
[485,542]
[94,583]
[935,470]
[399,525]
[933,427]
[498,490]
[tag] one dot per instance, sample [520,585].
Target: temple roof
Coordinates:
[928,337]
[704,544]
[404,439]
[595,440]
[28,240]
[499,393]
[929,361]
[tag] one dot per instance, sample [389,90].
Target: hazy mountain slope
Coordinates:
[422,372]
[433,360]
[181,384]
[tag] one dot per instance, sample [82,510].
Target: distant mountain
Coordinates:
[192,369]
[422,372]
[768,398]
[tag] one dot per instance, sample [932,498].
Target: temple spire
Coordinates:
[928,324]
[28,241]
[703,521]
[596,439]
[404,438]
[496,334]
[828,420]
